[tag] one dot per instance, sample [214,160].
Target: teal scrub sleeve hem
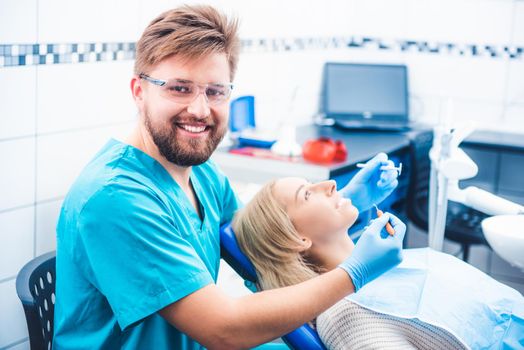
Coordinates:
[230,201]
[154,303]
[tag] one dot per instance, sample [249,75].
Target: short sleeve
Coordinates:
[230,202]
[135,254]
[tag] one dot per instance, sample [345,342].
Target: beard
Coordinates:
[181,150]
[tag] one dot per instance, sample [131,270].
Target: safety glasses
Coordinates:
[186,91]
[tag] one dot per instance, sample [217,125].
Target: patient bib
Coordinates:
[444,291]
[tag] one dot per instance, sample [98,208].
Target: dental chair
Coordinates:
[302,338]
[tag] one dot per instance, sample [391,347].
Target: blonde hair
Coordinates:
[268,238]
[190,32]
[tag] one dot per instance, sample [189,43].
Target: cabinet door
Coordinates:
[487,163]
[516,197]
[511,177]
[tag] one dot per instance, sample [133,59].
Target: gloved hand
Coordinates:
[376,251]
[371,185]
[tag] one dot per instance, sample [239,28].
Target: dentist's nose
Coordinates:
[199,107]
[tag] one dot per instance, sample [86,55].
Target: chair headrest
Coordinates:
[232,254]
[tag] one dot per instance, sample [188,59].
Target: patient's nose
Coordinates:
[329,186]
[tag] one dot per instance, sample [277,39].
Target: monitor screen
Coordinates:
[365,90]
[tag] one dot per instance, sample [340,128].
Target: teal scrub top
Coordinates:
[129,243]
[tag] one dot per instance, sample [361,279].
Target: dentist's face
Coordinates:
[186,134]
[317,211]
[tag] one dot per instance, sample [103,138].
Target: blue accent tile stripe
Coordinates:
[369,43]
[60,53]
[40,54]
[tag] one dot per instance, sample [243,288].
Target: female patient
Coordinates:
[293,230]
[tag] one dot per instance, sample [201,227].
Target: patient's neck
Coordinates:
[330,254]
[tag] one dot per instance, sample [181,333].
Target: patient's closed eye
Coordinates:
[307,194]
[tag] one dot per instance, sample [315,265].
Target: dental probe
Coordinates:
[389,228]
[385,167]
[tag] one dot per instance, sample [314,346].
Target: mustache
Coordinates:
[192,120]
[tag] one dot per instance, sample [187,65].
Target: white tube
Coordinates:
[489,203]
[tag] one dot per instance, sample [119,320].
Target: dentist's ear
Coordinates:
[136,89]
[306,244]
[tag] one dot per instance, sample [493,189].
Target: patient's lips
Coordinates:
[342,202]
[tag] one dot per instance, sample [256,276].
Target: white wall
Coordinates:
[53,117]
[487,90]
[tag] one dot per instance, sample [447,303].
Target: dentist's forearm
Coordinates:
[218,321]
[264,316]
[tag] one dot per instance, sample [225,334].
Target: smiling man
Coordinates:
[138,245]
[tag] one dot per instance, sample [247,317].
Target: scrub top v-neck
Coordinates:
[129,243]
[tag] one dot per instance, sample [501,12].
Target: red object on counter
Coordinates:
[341,153]
[324,150]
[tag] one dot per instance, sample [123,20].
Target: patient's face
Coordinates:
[317,211]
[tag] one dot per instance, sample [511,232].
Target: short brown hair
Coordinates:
[191,32]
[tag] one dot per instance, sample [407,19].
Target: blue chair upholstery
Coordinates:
[304,337]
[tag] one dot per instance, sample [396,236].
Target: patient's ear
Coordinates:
[306,244]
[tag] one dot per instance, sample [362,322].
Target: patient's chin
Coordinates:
[351,223]
[352,215]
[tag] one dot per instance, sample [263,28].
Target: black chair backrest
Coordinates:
[418,193]
[462,223]
[35,286]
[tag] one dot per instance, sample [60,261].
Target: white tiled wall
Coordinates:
[62,21]
[468,21]
[53,118]
[18,119]
[17,178]
[17,240]
[484,89]
[13,327]
[517,35]
[515,87]
[46,218]
[18,21]
[65,98]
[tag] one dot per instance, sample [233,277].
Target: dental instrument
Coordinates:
[389,228]
[385,167]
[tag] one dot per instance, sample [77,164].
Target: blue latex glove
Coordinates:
[371,185]
[376,251]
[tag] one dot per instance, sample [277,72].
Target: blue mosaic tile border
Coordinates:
[297,44]
[37,54]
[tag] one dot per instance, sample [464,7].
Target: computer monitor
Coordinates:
[365,94]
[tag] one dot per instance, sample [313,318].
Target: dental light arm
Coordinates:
[449,165]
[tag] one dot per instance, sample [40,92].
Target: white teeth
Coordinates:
[194,129]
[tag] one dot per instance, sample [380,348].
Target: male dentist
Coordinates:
[138,235]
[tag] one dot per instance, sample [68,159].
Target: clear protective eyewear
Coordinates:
[186,91]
